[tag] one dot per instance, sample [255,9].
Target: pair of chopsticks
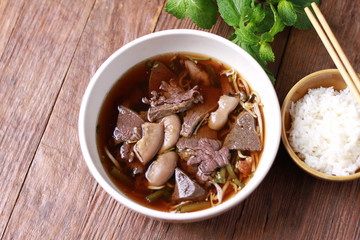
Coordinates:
[335,51]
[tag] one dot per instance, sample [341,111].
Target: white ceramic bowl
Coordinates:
[168,42]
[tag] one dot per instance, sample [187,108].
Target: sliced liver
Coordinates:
[243,136]
[186,189]
[159,72]
[128,126]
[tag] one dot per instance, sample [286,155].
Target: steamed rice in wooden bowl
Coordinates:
[321,127]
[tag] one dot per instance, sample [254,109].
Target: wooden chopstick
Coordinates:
[337,54]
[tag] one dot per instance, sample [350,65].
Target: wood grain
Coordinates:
[49,50]
[58,189]
[9,13]
[33,65]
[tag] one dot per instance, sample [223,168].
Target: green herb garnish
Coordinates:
[191,58]
[220,176]
[164,192]
[255,22]
[170,150]
[234,178]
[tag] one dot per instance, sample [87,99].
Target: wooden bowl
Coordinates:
[323,78]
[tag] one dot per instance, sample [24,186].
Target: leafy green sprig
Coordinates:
[255,22]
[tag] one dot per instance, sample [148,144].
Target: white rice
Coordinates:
[325,131]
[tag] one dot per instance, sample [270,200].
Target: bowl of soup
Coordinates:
[180,125]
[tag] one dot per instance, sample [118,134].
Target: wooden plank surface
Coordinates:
[58,191]
[33,64]
[48,52]
[9,13]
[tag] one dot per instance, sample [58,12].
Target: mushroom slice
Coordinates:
[172,126]
[161,169]
[218,119]
[147,147]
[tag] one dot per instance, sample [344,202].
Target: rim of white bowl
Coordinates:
[192,216]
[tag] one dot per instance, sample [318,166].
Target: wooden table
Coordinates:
[49,50]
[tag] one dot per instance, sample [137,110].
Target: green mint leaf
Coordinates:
[258,14]
[254,52]
[278,24]
[235,12]
[270,75]
[202,12]
[267,37]
[304,3]
[272,1]
[287,12]
[229,12]
[241,4]
[251,27]
[247,36]
[246,14]
[266,52]
[233,38]
[268,21]
[256,22]
[302,21]
[177,8]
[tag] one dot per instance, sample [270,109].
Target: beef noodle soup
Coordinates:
[180,132]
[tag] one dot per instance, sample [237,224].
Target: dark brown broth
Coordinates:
[128,91]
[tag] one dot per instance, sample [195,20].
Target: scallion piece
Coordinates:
[191,58]
[220,176]
[251,97]
[238,182]
[116,173]
[233,176]
[158,194]
[170,150]
[195,206]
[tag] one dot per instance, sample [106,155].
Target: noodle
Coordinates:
[260,122]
